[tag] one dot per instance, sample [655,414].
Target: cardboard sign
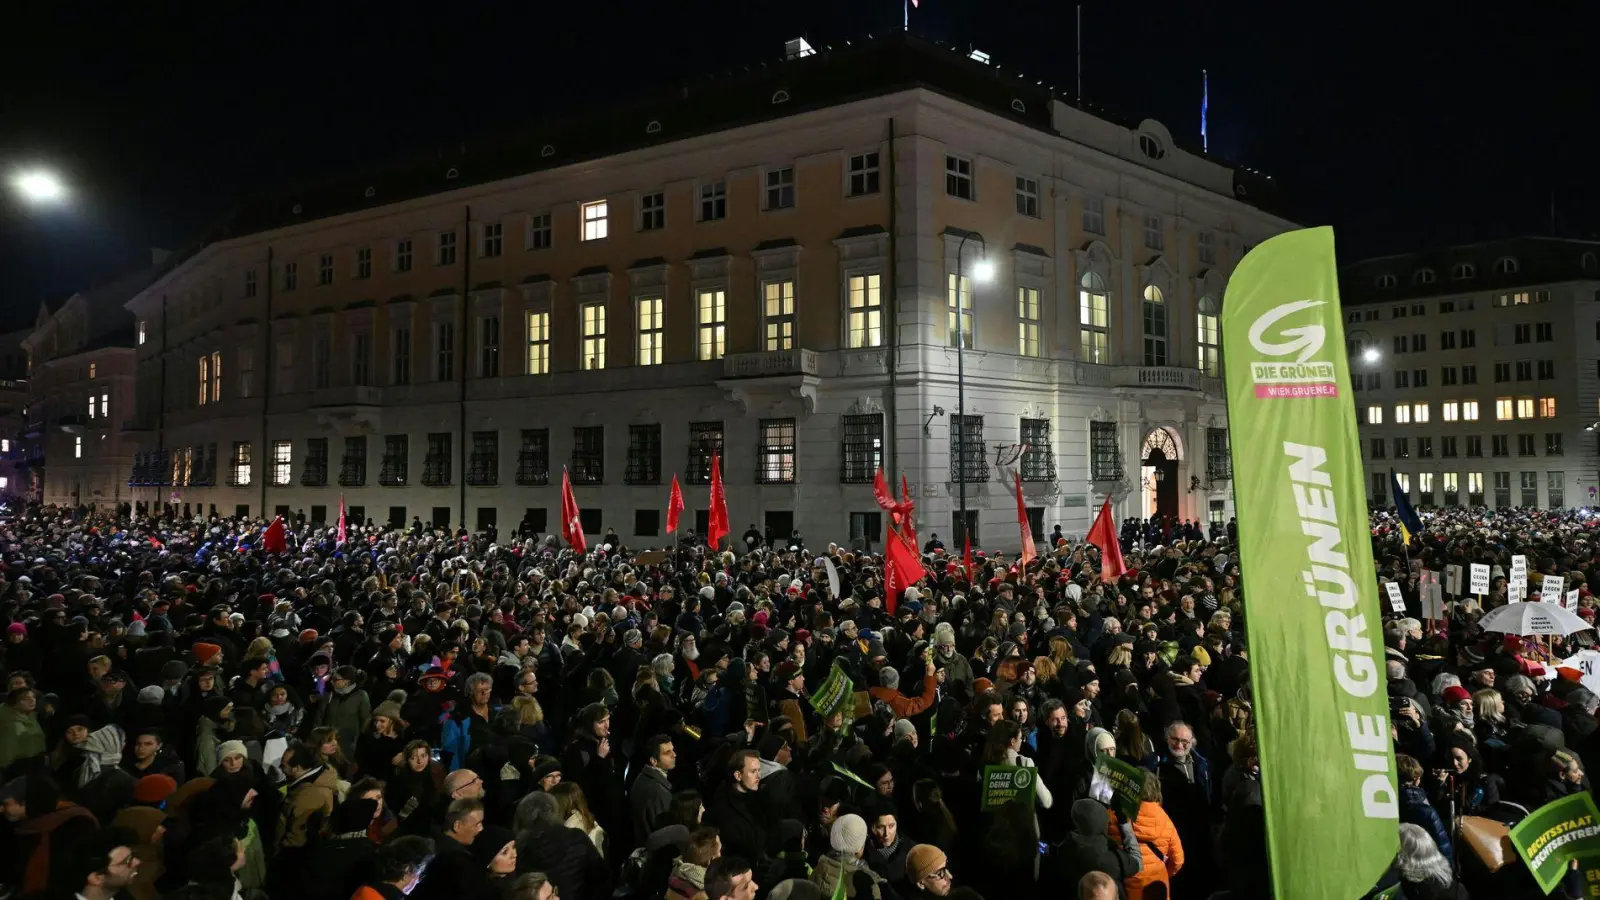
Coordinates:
[1552,588]
[1452,580]
[1518,589]
[1118,785]
[1432,601]
[835,694]
[1571,601]
[1480,578]
[1396,602]
[1555,834]
[653,557]
[1428,576]
[1003,784]
[1587,662]
[833,578]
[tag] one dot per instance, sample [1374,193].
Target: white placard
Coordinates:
[1396,602]
[1571,601]
[1551,589]
[1432,602]
[833,577]
[1519,578]
[1515,592]
[1480,578]
[1588,663]
[1428,576]
[1452,580]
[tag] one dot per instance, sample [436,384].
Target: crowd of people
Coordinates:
[430,713]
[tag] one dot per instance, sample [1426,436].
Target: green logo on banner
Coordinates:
[1555,834]
[1003,784]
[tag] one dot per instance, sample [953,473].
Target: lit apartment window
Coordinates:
[77,447]
[864,174]
[444,351]
[5,445]
[141,331]
[249,283]
[493,238]
[1402,414]
[1210,330]
[325,269]
[713,201]
[400,347]
[1206,246]
[958,293]
[777,452]
[958,177]
[1420,413]
[1027,197]
[595,216]
[1451,411]
[291,276]
[1547,407]
[540,232]
[93,368]
[1374,415]
[1094,215]
[364,262]
[205,380]
[1525,407]
[779,315]
[1504,409]
[91,406]
[281,462]
[402,256]
[652,331]
[1469,410]
[712,313]
[239,468]
[1028,321]
[780,188]
[653,211]
[594,336]
[1093,323]
[216,376]
[1154,235]
[866,311]
[538,343]
[1155,326]
[105,405]
[489,347]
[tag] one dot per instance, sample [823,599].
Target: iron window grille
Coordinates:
[436,462]
[968,461]
[396,467]
[315,471]
[776,452]
[484,467]
[239,468]
[589,454]
[1219,458]
[533,459]
[1039,463]
[861,452]
[705,439]
[1105,457]
[353,466]
[644,454]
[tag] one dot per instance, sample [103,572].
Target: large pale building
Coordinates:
[765,267]
[1477,372]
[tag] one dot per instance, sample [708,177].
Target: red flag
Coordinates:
[157,544]
[717,520]
[902,568]
[891,588]
[571,521]
[966,557]
[906,509]
[1027,528]
[674,505]
[1103,534]
[275,538]
[342,532]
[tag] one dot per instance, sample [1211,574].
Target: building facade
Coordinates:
[1477,372]
[15,469]
[767,269]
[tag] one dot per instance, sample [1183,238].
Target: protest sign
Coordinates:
[1002,784]
[1572,599]
[1517,587]
[1555,834]
[835,694]
[1452,580]
[1396,602]
[1480,579]
[1118,785]
[1551,589]
[1432,601]
[1587,662]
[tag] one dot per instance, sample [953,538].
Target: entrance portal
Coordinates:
[1158,475]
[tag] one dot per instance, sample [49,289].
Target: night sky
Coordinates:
[1401,128]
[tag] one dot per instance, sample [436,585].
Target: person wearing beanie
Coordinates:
[232,756]
[888,690]
[844,864]
[208,655]
[928,870]
[153,790]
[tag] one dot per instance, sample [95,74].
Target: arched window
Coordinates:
[1210,331]
[1155,327]
[1423,276]
[1588,262]
[1094,320]
[1150,146]
[1463,271]
[1507,265]
[1386,280]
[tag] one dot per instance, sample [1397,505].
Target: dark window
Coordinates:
[1547,369]
[488,517]
[1447,448]
[968,461]
[1469,338]
[1399,343]
[1402,448]
[1502,372]
[1425,448]
[441,517]
[1469,374]
[1447,340]
[1402,379]
[484,467]
[1525,445]
[959,530]
[1419,378]
[776,452]
[590,520]
[1039,463]
[1378,449]
[861,451]
[1474,445]
[396,461]
[315,471]
[1105,458]
[319,514]
[436,462]
[1219,459]
[1502,489]
[1544,332]
[397,517]
[353,466]
[589,456]
[705,439]
[211,464]
[536,519]
[1036,523]
[647,522]
[1525,370]
[1500,445]
[1552,443]
[1523,334]
[241,510]
[865,526]
[533,459]
[1447,376]
[1419,343]
[644,455]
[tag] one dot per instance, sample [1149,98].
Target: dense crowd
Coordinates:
[435,714]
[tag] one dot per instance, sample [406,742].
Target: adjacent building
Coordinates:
[770,269]
[1477,372]
[14,465]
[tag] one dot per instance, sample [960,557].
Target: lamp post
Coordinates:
[39,187]
[982,271]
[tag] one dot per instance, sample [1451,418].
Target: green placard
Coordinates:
[1002,784]
[1555,834]
[836,693]
[1118,785]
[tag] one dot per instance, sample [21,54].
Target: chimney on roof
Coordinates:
[798,48]
[159,257]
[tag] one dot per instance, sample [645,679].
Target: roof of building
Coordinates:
[1467,268]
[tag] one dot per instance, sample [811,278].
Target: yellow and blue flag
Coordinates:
[1409,523]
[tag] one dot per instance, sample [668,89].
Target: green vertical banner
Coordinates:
[1312,612]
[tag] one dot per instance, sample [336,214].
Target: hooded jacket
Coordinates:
[1088,849]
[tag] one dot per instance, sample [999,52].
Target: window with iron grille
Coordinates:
[1219,461]
[315,471]
[1105,457]
[705,439]
[644,454]
[589,454]
[776,453]
[282,462]
[861,452]
[533,459]
[396,467]
[436,462]
[1039,463]
[353,465]
[967,458]
[211,465]
[239,464]
[484,466]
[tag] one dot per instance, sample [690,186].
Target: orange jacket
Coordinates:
[1156,834]
[905,707]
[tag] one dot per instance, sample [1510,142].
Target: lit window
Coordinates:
[1374,415]
[1093,324]
[866,311]
[105,405]
[1402,414]
[205,380]
[651,331]
[5,445]
[538,343]
[1155,326]
[1524,407]
[594,220]
[91,406]
[712,311]
[77,447]
[1419,413]
[1451,411]
[216,376]
[779,315]
[1028,321]
[141,331]
[1503,409]
[594,336]
[1210,331]
[281,453]
[958,293]
[1469,410]
[1547,407]
[4,482]
[91,371]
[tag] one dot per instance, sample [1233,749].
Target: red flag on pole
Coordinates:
[966,557]
[275,538]
[1103,534]
[342,532]
[1027,528]
[906,508]
[571,521]
[717,520]
[674,505]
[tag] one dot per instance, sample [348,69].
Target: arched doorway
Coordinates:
[1158,475]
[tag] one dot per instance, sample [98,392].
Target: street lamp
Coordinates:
[1371,356]
[982,271]
[38,186]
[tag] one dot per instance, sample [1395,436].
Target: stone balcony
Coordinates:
[769,363]
[777,382]
[1163,378]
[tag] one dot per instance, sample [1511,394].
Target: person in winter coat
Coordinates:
[905,707]
[1159,845]
[345,859]
[565,855]
[215,723]
[346,708]
[1414,805]
[1424,872]
[21,737]
[844,865]
[957,669]
[308,798]
[1088,849]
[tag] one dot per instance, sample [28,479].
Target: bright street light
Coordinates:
[39,186]
[1371,355]
[982,271]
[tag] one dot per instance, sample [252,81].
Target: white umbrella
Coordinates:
[1533,618]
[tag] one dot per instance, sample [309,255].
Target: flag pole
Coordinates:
[1079,53]
[906,21]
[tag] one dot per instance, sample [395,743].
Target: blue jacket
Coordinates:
[1415,809]
[455,734]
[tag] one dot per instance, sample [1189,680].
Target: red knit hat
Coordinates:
[1455,693]
[308,636]
[205,653]
[153,790]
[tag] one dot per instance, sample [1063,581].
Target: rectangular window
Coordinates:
[647,522]
[1547,407]
[282,462]
[1502,489]
[866,311]
[968,460]
[653,211]
[1419,413]
[1402,414]
[1547,369]
[1419,343]
[1206,248]
[1379,449]
[589,454]
[205,380]
[1556,482]
[779,312]
[1402,378]
[713,201]
[1094,215]
[1027,197]
[777,452]
[1105,457]
[1039,460]
[1469,338]
[141,332]
[1419,378]
[402,256]
[1499,445]
[644,454]
[594,336]
[1399,343]
[540,233]
[249,284]
[1210,330]
[1502,372]
[1425,447]
[1219,456]
[1154,235]
[1543,332]
[705,440]
[1380,484]
[711,307]
[1448,446]
[1402,448]
[493,239]
[1447,340]
[325,270]
[1469,410]
[1374,415]
[1425,488]
[1552,444]
[958,293]
[1469,374]
[239,464]
[861,451]
[596,219]
[864,174]
[483,467]
[436,467]
[400,372]
[77,447]
[652,331]
[1450,411]
[489,347]
[353,464]
[1522,334]
[291,276]
[538,343]
[533,458]
[364,262]
[216,376]
[779,192]
[1155,326]
[1475,488]
[1447,376]
[1094,324]
[1530,488]
[1028,323]
[1452,488]
[1525,407]
[396,466]
[958,177]
[446,252]
[1475,446]
[1524,370]
[1504,409]
[444,351]
[361,358]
